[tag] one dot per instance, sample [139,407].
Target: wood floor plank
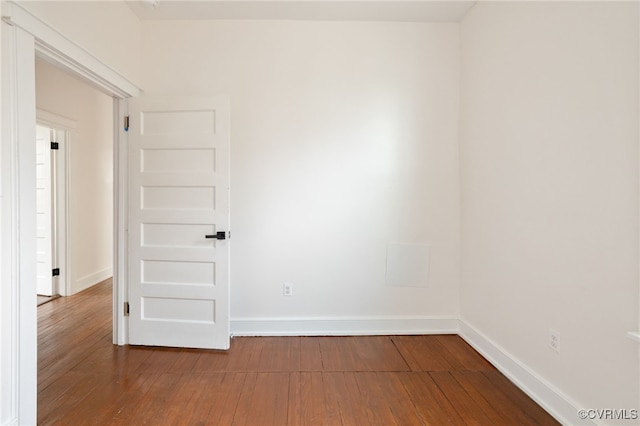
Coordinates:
[526,404]
[400,403]
[378,353]
[295,353]
[151,409]
[465,357]
[363,353]
[295,412]
[494,404]
[331,408]
[169,401]
[160,360]
[271,400]
[343,388]
[263,400]
[131,389]
[137,393]
[97,407]
[64,360]
[215,361]
[126,360]
[310,354]
[309,402]
[279,354]
[207,400]
[431,403]
[73,398]
[96,360]
[245,354]
[336,355]
[50,398]
[498,400]
[374,400]
[464,404]
[226,397]
[423,353]
[185,362]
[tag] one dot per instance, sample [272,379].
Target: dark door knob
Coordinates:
[220,235]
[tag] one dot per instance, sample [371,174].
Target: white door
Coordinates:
[178,205]
[44,278]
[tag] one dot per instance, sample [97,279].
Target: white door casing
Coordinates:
[179,195]
[44,211]
[51,208]
[62,127]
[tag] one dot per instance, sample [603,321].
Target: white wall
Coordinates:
[107,29]
[549,160]
[90,170]
[343,138]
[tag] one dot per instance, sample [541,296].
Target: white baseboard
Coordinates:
[553,401]
[91,279]
[341,326]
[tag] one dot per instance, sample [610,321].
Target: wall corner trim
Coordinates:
[553,401]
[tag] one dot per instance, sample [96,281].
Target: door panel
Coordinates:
[178,194]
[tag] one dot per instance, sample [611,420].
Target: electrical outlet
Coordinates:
[287,289]
[554,340]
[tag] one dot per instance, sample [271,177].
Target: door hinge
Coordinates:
[126,123]
[55,272]
[126,309]
[54,145]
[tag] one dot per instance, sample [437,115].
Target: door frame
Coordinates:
[23,37]
[64,125]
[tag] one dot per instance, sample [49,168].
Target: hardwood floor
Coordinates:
[372,380]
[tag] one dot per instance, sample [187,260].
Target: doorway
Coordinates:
[75,118]
[24,37]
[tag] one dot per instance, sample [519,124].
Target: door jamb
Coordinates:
[61,124]
[120,224]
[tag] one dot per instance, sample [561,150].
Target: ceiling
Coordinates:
[311,10]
